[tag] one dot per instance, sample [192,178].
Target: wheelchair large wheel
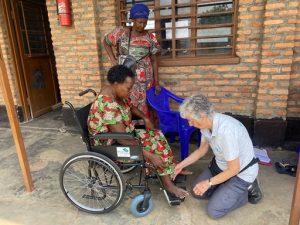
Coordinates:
[92,182]
[136,206]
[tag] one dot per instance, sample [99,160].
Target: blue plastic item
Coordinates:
[170,121]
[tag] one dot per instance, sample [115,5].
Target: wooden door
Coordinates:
[34,42]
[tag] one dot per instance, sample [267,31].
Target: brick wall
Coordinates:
[293,109]
[105,14]
[7,56]
[277,56]
[76,50]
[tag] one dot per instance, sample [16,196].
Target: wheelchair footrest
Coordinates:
[180,179]
[172,198]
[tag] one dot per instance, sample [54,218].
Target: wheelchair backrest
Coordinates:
[80,116]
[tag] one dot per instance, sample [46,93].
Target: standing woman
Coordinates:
[143,46]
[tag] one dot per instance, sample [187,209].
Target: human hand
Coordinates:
[157,89]
[114,62]
[148,124]
[201,187]
[178,168]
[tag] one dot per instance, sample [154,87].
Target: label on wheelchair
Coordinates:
[123,151]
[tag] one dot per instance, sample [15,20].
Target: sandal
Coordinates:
[285,168]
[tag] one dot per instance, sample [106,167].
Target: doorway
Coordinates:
[30,38]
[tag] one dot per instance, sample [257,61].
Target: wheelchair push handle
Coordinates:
[87,91]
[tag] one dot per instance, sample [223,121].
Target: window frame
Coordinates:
[28,49]
[212,59]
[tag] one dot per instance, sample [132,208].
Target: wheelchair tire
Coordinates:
[136,204]
[92,182]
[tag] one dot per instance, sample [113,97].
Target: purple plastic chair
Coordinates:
[170,122]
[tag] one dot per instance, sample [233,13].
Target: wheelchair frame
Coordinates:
[94,182]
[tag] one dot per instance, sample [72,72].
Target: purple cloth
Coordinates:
[139,11]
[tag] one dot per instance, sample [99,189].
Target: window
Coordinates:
[32,29]
[191,32]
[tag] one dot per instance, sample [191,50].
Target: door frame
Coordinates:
[19,66]
[16,58]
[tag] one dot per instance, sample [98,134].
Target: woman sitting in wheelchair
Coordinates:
[112,112]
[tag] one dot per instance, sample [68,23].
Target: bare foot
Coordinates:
[172,188]
[179,192]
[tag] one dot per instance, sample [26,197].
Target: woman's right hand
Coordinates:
[110,53]
[114,62]
[156,160]
[148,124]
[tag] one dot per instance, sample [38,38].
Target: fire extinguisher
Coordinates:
[64,12]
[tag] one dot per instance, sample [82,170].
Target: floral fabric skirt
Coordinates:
[155,142]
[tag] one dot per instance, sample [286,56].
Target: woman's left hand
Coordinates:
[201,187]
[148,124]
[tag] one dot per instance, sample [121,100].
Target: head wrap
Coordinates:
[139,11]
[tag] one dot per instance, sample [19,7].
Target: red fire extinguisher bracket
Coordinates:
[64,12]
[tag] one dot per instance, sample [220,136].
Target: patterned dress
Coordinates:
[106,111]
[140,47]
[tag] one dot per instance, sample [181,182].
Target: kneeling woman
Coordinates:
[112,110]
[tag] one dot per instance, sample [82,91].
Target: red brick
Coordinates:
[275,6]
[283,61]
[273,22]
[284,45]
[281,77]
[257,8]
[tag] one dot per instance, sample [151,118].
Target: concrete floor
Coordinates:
[48,145]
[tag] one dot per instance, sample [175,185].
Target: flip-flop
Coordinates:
[180,179]
[285,168]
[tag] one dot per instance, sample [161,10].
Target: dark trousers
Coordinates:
[225,197]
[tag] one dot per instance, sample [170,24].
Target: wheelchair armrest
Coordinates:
[113,135]
[87,91]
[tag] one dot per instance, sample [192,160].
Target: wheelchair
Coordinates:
[94,181]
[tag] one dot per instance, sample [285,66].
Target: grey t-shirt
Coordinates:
[230,140]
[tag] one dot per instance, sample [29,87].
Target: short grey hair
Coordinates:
[196,106]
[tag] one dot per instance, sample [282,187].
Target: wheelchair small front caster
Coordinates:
[140,206]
